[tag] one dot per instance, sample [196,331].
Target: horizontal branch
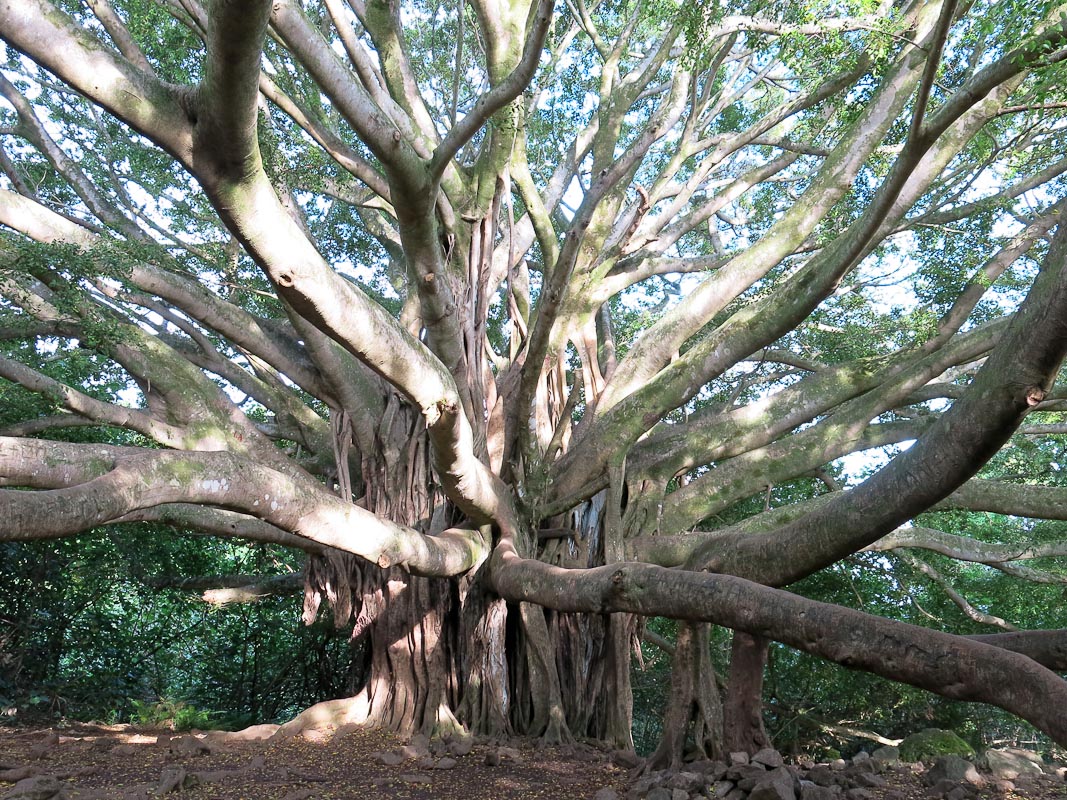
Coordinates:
[153,478]
[963,548]
[222,590]
[951,666]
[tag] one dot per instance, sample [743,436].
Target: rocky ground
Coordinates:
[124,763]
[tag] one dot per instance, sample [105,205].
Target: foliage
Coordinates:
[169,713]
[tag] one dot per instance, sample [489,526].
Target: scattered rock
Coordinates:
[860,794]
[686,781]
[739,758]
[711,770]
[461,747]
[812,791]
[1011,763]
[389,758]
[416,777]
[746,775]
[951,768]
[869,780]
[420,745]
[1003,786]
[887,755]
[838,764]
[778,784]
[769,757]
[864,765]
[511,754]
[720,789]
[492,759]
[660,793]
[607,793]
[861,756]
[823,775]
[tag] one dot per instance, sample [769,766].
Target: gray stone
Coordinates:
[943,787]
[1011,763]
[607,793]
[822,775]
[660,793]
[461,747]
[812,791]
[772,791]
[712,770]
[887,754]
[958,793]
[862,755]
[679,794]
[415,777]
[720,789]
[446,763]
[736,794]
[778,784]
[687,781]
[863,765]
[390,758]
[955,769]
[869,780]
[860,794]
[511,754]
[740,772]
[739,758]
[769,757]
[838,764]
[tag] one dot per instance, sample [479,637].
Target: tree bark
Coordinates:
[743,729]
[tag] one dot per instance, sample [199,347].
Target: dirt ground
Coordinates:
[124,762]
[95,762]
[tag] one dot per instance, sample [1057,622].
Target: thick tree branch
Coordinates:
[49,37]
[500,95]
[220,479]
[942,663]
[226,138]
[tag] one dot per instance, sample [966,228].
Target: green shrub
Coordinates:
[932,743]
[169,713]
